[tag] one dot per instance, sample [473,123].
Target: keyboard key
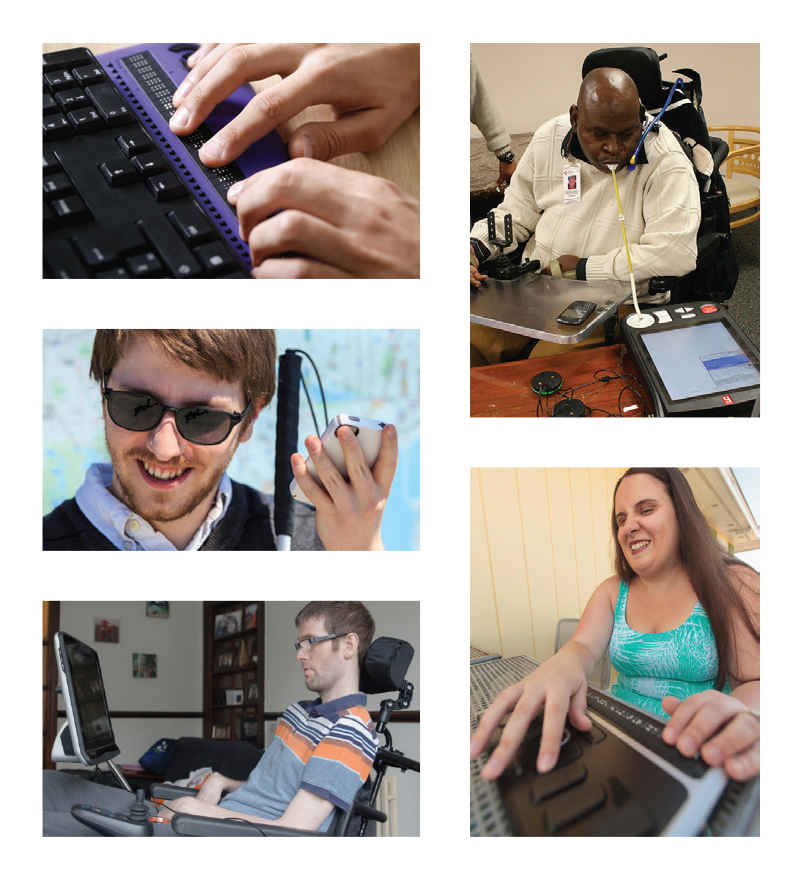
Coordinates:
[71,209]
[119,172]
[215,257]
[101,248]
[151,163]
[55,126]
[70,99]
[173,252]
[192,225]
[134,144]
[84,120]
[109,104]
[88,75]
[57,185]
[166,187]
[58,80]
[143,265]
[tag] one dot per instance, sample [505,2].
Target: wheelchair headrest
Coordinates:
[640,63]
[385,665]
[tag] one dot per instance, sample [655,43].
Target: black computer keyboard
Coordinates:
[114,206]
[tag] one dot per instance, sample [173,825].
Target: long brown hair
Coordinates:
[710,571]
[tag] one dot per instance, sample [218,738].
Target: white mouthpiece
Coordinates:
[612,166]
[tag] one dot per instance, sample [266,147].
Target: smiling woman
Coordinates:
[681,622]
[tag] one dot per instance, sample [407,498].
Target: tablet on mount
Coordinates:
[695,361]
[86,737]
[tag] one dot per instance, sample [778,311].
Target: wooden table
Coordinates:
[398,160]
[505,390]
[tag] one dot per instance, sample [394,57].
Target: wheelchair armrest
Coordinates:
[719,150]
[166,791]
[187,825]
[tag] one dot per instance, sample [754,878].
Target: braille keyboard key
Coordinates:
[168,244]
[166,187]
[574,805]
[109,104]
[548,785]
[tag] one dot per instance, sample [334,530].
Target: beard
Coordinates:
[153,505]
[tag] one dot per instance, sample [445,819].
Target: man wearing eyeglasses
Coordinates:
[177,404]
[321,754]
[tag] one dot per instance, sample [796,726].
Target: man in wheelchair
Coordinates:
[563,206]
[321,755]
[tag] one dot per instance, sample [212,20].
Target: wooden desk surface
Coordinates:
[505,390]
[398,160]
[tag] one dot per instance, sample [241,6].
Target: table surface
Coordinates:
[505,390]
[398,160]
[530,305]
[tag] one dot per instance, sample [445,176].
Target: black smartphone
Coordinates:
[576,313]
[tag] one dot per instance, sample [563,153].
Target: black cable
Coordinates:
[307,395]
[570,393]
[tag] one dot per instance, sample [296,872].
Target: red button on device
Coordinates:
[708,308]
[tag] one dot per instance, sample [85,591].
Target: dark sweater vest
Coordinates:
[246,526]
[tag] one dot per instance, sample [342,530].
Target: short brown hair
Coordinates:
[342,616]
[235,355]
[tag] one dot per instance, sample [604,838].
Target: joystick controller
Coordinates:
[115,824]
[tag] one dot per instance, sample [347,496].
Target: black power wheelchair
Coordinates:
[87,737]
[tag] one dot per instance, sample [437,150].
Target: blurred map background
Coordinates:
[368,373]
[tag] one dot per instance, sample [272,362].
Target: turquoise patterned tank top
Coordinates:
[678,663]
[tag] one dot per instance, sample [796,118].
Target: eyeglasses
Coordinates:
[139,412]
[305,643]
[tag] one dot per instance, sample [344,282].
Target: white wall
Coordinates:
[533,82]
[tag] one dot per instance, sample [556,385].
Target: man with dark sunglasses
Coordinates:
[177,404]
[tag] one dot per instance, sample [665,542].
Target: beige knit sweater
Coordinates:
[660,202]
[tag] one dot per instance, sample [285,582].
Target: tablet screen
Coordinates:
[699,360]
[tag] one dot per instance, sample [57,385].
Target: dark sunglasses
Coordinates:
[139,412]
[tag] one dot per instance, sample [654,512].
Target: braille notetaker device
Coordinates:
[617,779]
[123,197]
[695,361]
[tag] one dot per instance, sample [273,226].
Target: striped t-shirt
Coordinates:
[326,748]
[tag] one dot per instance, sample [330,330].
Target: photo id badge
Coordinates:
[572,183]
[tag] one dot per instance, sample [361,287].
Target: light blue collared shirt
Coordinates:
[128,531]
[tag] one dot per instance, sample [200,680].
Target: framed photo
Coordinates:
[144,665]
[249,729]
[225,659]
[250,616]
[252,691]
[162,609]
[227,624]
[220,731]
[107,631]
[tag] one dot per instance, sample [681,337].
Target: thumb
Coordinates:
[577,710]
[670,703]
[355,133]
